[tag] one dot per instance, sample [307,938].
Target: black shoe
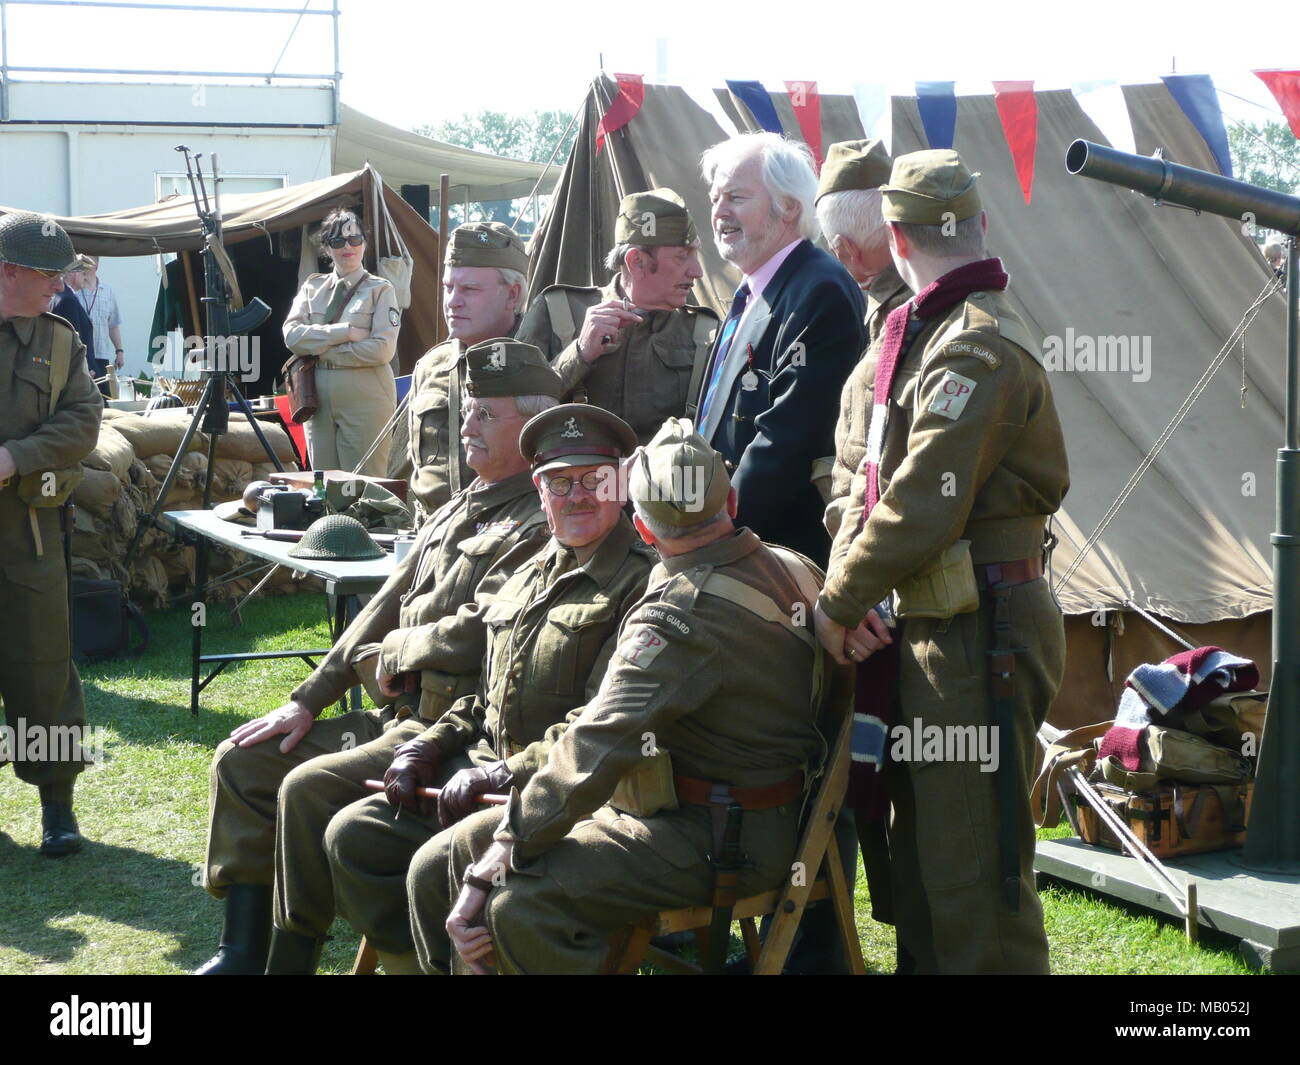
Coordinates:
[60,835]
[245,933]
[293,954]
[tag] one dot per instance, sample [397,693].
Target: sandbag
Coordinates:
[229,479]
[90,537]
[97,492]
[240,442]
[112,452]
[159,433]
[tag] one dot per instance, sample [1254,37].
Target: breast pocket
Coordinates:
[499,619]
[429,414]
[567,647]
[31,399]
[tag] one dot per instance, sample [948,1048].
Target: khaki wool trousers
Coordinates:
[948,900]
[355,405]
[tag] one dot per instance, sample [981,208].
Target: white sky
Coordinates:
[408,63]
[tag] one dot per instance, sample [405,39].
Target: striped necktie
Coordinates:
[724,345]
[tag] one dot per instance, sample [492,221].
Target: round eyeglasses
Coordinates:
[560,485]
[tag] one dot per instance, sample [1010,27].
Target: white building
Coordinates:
[88,148]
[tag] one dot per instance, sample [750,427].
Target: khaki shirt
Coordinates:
[433,427]
[886,292]
[372,307]
[425,619]
[973,450]
[684,673]
[646,377]
[40,439]
[551,631]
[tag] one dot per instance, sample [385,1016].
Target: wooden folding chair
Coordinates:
[817,853]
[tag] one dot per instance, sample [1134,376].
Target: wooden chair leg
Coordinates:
[753,945]
[367,959]
[842,901]
[627,949]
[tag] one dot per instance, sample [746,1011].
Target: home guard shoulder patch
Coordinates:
[975,351]
[954,391]
[641,645]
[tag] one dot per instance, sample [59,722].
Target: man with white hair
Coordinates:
[770,394]
[848,208]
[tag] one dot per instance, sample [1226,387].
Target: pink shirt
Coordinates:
[762,277]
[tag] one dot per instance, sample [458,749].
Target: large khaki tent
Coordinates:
[173,226]
[1191,542]
[406,158]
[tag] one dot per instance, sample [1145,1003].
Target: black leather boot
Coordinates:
[245,933]
[293,954]
[60,835]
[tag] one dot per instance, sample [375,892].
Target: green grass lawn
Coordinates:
[130,902]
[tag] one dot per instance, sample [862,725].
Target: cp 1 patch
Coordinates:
[393,316]
[641,645]
[954,391]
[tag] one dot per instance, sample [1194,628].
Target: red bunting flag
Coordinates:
[1018,110]
[807,104]
[1285,87]
[623,108]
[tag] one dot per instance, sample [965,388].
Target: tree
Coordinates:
[532,136]
[1265,153]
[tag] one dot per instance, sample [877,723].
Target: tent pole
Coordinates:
[1272,838]
[444,194]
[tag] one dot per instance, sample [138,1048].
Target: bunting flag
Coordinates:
[1104,103]
[1196,95]
[807,104]
[1285,87]
[623,108]
[1018,109]
[754,96]
[936,101]
[873,112]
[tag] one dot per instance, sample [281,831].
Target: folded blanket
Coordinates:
[1187,680]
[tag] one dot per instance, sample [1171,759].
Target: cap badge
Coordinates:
[571,430]
[497,359]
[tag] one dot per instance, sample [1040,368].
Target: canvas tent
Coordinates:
[275,220]
[406,158]
[1191,543]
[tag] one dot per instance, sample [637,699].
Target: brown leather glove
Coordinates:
[414,766]
[456,799]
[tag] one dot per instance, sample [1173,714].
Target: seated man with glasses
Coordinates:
[417,645]
[551,630]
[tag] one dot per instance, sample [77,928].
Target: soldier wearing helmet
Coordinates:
[49,420]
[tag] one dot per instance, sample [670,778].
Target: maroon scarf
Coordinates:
[876,693]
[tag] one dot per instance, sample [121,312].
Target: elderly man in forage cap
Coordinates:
[947,517]
[635,347]
[418,646]
[483,294]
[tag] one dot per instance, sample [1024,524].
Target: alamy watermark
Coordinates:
[919,742]
[51,743]
[1086,353]
[240,355]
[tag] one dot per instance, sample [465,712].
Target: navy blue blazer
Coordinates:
[803,338]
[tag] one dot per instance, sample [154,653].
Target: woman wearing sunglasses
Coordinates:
[348,321]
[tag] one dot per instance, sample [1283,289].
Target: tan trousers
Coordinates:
[243,784]
[948,901]
[607,873]
[38,682]
[355,405]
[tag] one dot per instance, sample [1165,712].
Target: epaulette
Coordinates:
[682,589]
[59,319]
